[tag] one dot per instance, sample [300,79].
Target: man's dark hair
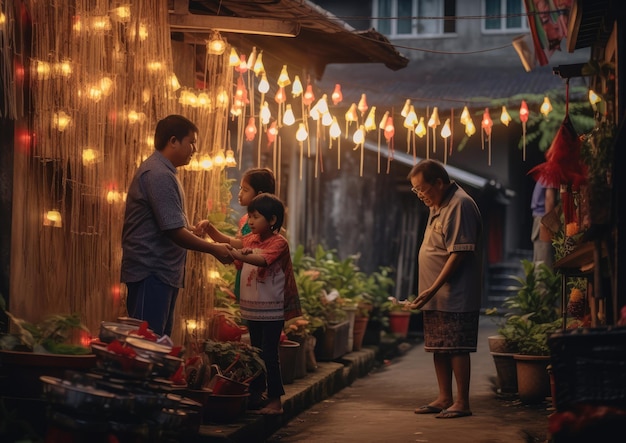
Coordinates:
[172,126]
[268,205]
[431,170]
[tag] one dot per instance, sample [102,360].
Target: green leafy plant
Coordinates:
[224,354]
[53,335]
[534,311]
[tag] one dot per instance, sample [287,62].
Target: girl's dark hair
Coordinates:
[172,125]
[268,205]
[261,180]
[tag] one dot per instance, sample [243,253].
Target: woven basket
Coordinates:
[589,366]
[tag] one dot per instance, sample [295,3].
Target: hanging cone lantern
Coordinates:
[446,132]
[420,129]
[280,96]
[486,125]
[308,96]
[389,129]
[250,130]
[370,121]
[283,78]
[523,116]
[362,107]
[337,96]
[505,118]
[546,106]
[465,116]
[433,122]
[351,116]
[470,128]
[296,87]
[272,132]
[406,108]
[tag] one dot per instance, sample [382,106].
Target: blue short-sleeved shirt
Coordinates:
[154,204]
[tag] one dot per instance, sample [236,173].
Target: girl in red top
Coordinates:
[268,292]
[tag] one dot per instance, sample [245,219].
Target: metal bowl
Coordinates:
[136,367]
[110,331]
[149,350]
[77,397]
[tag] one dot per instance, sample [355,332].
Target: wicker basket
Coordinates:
[589,366]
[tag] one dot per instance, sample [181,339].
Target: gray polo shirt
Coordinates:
[154,204]
[455,226]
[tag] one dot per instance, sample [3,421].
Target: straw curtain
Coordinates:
[101,76]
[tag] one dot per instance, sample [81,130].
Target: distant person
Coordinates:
[268,294]
[255,181]
[450,284]
[542,202]
[156,233]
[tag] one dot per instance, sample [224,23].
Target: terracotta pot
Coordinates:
[533,380]
[360,326]
[300,370]
[311,361]
[227,386]
[399,323]
[497,343]
[220,408]
[506,371]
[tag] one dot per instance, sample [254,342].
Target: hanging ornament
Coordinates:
[470,128]
[465,116]
[301,136]
[335,134]
[433,122]
[363,105]
[410,121]
[546,106]
[405,108]
[446,132]
[359,140]
[486,125]
[381,127]
[288,118]
[258,65]
[242,66]
[308,96]
[370,121]
[264,85]
[272,132]
[523,116]
[280,96]
[283,78]
[389,137]
[250,130]
[505,118]
[266,114]
[296,87]
[351,116]
[233,59]
[420,129]
[337,96]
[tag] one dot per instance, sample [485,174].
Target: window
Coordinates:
[401,18]
[508,16]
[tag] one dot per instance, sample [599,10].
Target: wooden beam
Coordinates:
[206,23]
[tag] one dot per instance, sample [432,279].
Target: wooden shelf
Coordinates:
[580,259]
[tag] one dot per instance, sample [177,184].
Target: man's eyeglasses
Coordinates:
[419,191]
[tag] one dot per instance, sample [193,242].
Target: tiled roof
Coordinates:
[474,82]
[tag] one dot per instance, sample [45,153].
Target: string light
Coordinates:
[546,106]
[505,118]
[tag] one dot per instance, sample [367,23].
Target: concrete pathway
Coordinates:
[379,407]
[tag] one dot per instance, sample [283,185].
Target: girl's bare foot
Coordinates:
[273,407]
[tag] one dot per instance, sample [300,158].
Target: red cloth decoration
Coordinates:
[563,163]
[144,332]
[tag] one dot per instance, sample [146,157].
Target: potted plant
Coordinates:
[399,316]
[46,348]
[533,315]
[376,291]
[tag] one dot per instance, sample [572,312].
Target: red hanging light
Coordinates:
[250,130]
[487,124]
[308,96]
[337,96]
[523,116]
[280,96]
